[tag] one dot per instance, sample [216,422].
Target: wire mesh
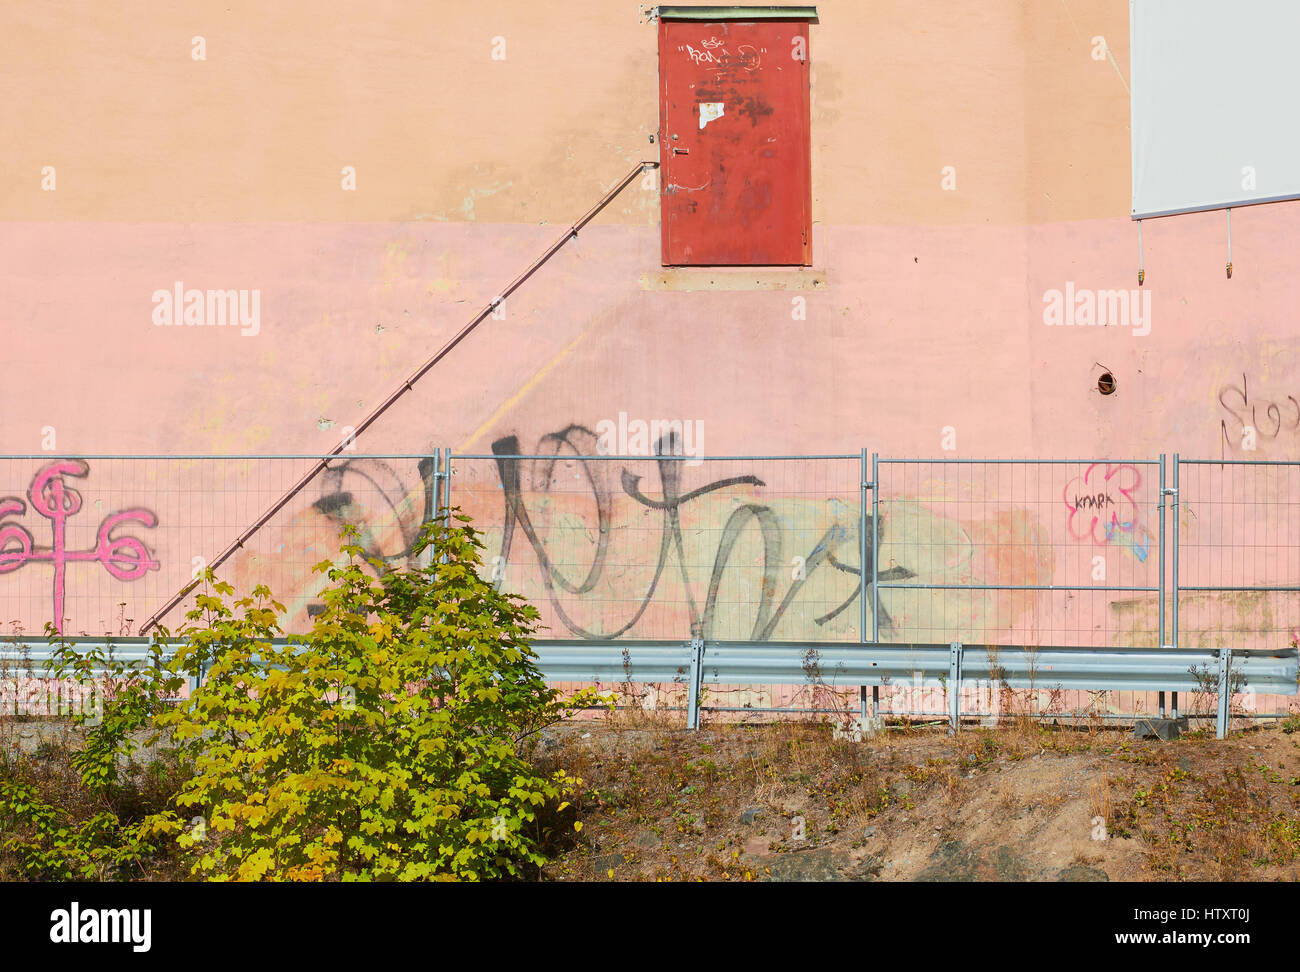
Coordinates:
[101,543]
[1239,554]
[672,547]
[988,552]
[1031,552]
[1237,582]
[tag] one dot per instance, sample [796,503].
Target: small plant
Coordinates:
[822,698]
[1205,698]
[1099,803]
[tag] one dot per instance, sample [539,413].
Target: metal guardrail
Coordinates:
[695,663]
[16,653]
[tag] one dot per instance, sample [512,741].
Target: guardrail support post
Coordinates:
[693,690]
[954,687]
[1225,692]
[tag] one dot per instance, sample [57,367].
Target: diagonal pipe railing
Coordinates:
[402,389]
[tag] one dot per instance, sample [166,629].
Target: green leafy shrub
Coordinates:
[126,697]
[91,826]
[389,743]
[49,845]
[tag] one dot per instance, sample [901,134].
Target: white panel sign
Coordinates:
[1214,85]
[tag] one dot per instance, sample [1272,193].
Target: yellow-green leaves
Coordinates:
[382,745]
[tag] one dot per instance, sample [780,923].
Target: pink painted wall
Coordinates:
[923,312]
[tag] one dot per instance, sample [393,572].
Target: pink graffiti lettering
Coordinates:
[125,558]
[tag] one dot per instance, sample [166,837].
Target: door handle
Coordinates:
[680,151]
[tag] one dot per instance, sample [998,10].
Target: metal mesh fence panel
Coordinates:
[669,547]
[1032,552]
[1238,553]
[1237,545]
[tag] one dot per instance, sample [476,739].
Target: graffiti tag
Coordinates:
[125,558]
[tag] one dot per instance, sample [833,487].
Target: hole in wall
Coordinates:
[1106,383]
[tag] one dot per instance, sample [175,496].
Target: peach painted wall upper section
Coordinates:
[1008,92]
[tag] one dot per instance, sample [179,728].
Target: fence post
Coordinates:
[954,687]
[446,488]
[437,482]
[693,690]
[1225,692]
[435,555]
[862,575]
[875,549]
[1173,605]
[1160,638]
[1178,499]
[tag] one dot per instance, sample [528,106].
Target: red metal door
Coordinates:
[734,142]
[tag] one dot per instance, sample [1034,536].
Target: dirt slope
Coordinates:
[789,802]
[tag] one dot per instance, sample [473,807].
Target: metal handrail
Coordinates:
[402,389]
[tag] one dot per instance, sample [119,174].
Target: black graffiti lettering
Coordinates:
[771,531]
[888,574]
[516,511]
[339,504]
[576,441]
[1093,501]
[1236,401]
[508,469]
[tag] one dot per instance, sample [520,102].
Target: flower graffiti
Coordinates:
[1102,507]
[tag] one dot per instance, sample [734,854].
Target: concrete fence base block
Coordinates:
[1163,729]
[858,729]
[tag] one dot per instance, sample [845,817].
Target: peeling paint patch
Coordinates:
[710,111]
[467,204]
[324,423]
